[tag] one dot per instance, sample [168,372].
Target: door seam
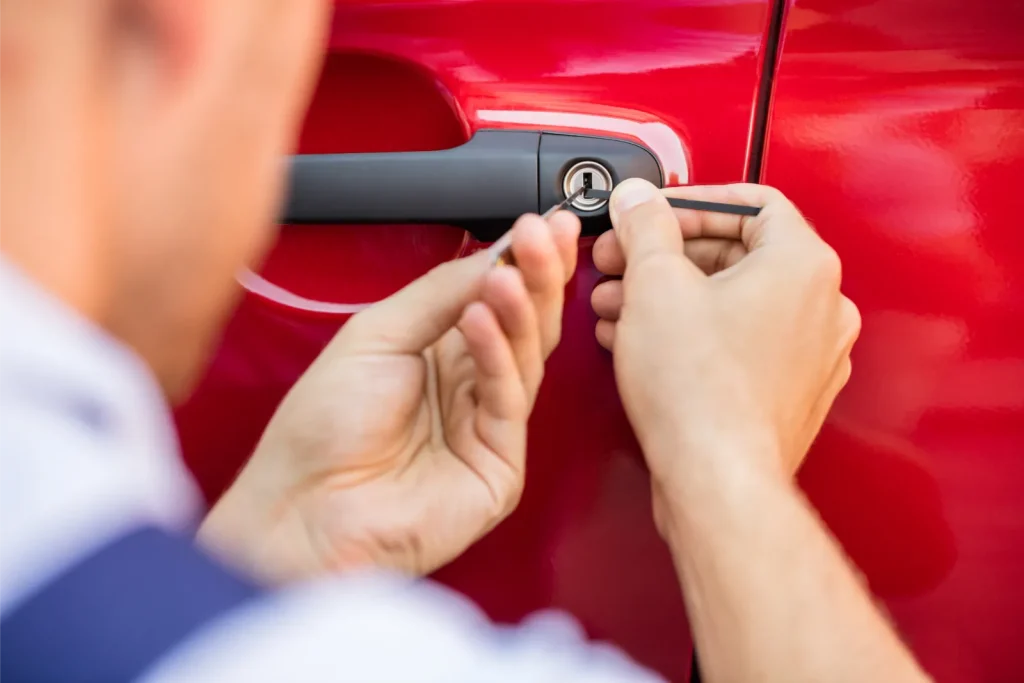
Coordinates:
[765,90]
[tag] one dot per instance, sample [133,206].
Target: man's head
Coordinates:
[141,155]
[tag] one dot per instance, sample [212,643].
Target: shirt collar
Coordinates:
[55,357]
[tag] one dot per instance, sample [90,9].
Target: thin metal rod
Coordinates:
[695,204]
[503,247]
[564,204]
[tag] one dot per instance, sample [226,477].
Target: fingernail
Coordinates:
[631,193]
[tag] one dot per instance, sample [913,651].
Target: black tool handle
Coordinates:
[695,204]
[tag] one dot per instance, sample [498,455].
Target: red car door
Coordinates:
[678,78]
[898,128]
[895,125]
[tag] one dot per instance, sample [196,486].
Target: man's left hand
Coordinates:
[405,441]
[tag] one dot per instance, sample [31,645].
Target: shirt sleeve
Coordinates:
[384,628]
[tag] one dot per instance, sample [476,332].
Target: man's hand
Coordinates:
[723,327]
[731,340]
[405,441]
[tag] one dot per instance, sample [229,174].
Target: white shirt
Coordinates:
[88,453]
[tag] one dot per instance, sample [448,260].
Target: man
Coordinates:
[140,164]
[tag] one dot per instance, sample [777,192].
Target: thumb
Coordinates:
[418,315]
[645,224]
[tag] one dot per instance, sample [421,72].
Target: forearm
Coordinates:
[770,595]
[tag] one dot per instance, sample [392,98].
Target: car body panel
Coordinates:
[895,126]
[898,129]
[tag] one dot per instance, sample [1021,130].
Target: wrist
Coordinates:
[677,453]
[230,530]
[251,529]
[691,475]
[270,537]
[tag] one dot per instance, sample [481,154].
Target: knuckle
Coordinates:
[852,320]
[845,372]
[511,496]
[772,195]
[553,338]
[826,269]
[843,375]
[754,193]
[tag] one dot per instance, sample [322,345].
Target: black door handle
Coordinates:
[481,186]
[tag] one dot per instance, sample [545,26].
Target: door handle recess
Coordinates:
[482,186]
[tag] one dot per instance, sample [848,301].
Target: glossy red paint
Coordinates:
[680,76]
[898,128]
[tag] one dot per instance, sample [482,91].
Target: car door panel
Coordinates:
[680,78]
[898,129]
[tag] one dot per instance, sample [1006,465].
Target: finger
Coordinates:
[605,333]
[565,231]
[610,260]
[819,412]
[714,254]
[506,295]
[644,223]
[499,390]
[606,300]
[850,323]
[692,224]
[607,254]
[836,382]
[537,258]
[417,315]
[710,254]
[455,369]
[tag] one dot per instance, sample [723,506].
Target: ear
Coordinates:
[154,49]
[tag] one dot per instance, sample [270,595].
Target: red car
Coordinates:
[897,126]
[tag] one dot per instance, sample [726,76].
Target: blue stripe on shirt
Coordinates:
[114,613]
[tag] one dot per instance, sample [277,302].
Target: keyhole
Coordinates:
[589,175]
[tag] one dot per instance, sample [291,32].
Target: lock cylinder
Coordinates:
[591,175]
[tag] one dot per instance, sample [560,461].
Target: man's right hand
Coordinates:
[726,330]
[731,340]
